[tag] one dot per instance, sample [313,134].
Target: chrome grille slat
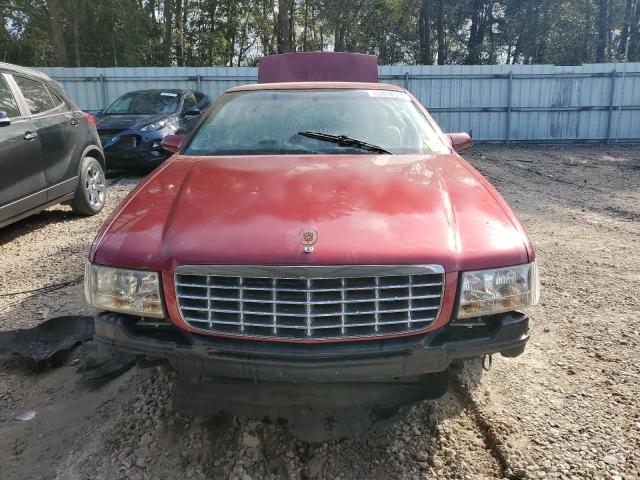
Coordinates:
[308,307]
[309,302]
[241,310]
[308,315]
[273,306]
[228,287]
[312,302]
[342,306]
[377,300]
[304,327]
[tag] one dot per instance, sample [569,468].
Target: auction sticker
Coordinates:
[387,94]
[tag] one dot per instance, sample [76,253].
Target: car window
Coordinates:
[56,98]
[8,102]
[269,122]
[202,99]
[36,94]
[189,102]
[145,103]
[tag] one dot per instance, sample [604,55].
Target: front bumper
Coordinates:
[135,150]
[388,360]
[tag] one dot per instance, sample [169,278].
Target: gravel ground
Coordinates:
[567,408]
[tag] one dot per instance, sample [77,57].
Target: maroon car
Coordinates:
[313,247]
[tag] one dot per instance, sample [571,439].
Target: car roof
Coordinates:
[11,68]
[316,85]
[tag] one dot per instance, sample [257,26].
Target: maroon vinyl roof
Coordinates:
[318,67]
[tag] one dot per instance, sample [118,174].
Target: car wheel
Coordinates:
[91,190]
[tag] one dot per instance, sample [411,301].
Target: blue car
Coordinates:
[132,128]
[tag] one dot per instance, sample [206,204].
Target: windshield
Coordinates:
[275,122]
[145,103]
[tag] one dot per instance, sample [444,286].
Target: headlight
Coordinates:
[485,292]
[152,127]
[127,291]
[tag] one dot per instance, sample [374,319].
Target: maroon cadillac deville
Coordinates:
[314,251]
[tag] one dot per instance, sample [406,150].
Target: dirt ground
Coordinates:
[568,408]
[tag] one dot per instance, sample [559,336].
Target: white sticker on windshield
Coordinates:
[387,94]
[169,94]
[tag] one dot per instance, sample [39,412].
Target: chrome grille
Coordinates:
[309,302]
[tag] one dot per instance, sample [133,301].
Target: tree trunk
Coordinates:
[603,31]
[179,34]
[476,33]
[168,21]
[232,32]
[424,33]
[76,40]
[284,44]
[305,26]
[490,20]
[609,54]
[442,48]
[626,30]
[634,34]
[292,28]
[265,37]
[340,44]
[56,22]
[186,51]
[587,34]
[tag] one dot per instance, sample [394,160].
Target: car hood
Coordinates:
[366,209]
[126,122]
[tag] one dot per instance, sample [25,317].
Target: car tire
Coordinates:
[91,191]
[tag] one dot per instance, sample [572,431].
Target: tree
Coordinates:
[442,48]
[239,32]
[56,25]
[603,31]
[424,32]
[284,38]
[168,24]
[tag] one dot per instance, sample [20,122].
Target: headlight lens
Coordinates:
[127,291]
[152,127]
[485,292]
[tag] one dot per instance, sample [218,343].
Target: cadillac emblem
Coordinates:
[308,238]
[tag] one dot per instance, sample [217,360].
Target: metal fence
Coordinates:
[496,103]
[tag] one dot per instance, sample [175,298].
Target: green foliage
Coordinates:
[239,32]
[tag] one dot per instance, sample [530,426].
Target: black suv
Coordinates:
[49,150]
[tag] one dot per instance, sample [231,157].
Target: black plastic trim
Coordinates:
[376,360]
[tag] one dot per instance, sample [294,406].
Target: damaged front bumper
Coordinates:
[385,360]
[135,149]
[318,392]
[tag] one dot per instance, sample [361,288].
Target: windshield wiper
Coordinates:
[345,141]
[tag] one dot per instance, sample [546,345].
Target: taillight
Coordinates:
[90,119]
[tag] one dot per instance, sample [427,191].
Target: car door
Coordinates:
[22,181]
[56,127]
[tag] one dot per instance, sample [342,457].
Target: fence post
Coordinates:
[611,99]
[198,82]
[406,80]
[509,97]
[103,84]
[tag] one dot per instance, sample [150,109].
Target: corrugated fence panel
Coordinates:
[493,102]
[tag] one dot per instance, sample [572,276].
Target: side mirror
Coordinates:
[172,143]
[4,119]
[191,112]
[459,141]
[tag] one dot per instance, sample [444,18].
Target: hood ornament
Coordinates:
[308,238]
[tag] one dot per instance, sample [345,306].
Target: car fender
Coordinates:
[94,151]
